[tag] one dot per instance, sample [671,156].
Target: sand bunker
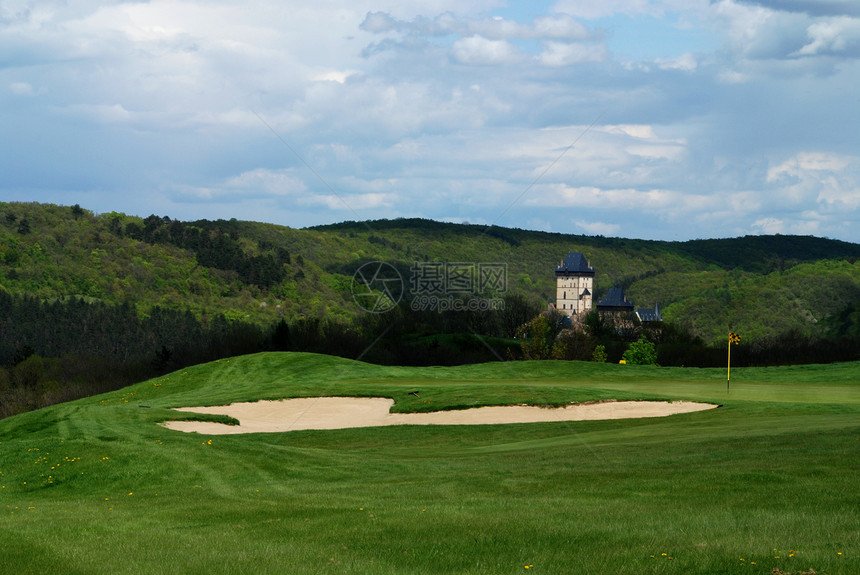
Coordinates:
[346,412]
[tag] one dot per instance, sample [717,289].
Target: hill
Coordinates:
[761,286]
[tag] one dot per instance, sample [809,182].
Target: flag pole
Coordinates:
[729,365]
[733,339]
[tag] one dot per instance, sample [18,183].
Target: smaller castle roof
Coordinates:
[615,299]
[647,314]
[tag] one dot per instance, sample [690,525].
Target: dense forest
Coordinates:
[96,301]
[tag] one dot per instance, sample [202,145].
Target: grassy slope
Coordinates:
[95,486]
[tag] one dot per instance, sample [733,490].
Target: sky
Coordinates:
[653,119]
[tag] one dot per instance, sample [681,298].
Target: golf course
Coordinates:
[768,482]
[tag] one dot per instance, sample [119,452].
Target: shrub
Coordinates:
[599,354]
[641,352]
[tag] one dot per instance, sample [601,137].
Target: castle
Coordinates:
[574,280]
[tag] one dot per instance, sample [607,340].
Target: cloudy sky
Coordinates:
[658,119]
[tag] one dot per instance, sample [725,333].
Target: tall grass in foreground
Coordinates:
[769,481]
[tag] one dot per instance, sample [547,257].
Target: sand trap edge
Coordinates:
[320,413]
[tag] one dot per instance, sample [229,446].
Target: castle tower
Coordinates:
[574,281]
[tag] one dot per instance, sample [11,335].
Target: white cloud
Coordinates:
[830,180]
[598,228]
[257,183]
[591,10]
[640,131]
[685,63]
[560,26]
[21,89]
[557,26]
[339,76]
[351,202]
[612,199]
[757,32]
[769,226]
[268,182]
[832,35]
[478,50]
[378,22]
[563,54]
[779,226]
[441,109]
[806,162]
[743,203]
[103,113]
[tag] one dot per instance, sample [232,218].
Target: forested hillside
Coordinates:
[91,302]
[761,286]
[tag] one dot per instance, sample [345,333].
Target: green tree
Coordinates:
[539,335]
[573,344]
[599,354]
[641,352]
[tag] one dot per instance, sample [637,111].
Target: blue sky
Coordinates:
[657,119]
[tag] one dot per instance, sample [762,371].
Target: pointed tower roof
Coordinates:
[575,263]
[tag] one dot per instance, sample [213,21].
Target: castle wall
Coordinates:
[569,288]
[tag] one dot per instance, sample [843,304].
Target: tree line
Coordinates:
[607,337]
[54,351]
[64,349]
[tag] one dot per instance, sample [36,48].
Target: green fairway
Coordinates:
[768,481]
